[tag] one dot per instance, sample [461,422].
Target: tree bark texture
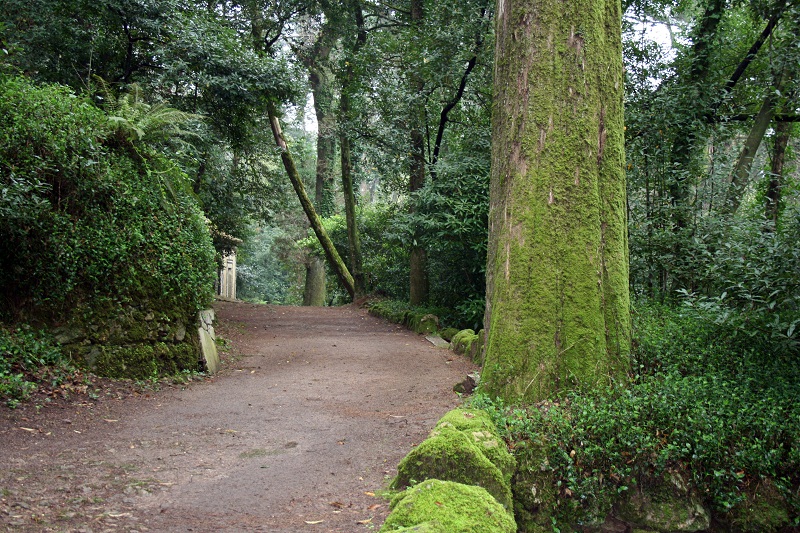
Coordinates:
[557,314]
[333,257]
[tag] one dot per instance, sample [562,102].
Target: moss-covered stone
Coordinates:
[136,361]
[453,456]
[533,487]
[478,426]
[762,509]
[667,504]
[462,341]
[447,507]
[475,350]
[448,334]
[428,323]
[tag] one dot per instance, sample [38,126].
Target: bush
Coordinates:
[724,419]
[22,352]
[87,219]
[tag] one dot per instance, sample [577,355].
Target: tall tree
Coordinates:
[348,82]
[557,313]
[321,81]
[419,257]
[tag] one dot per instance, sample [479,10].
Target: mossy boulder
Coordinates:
[447,507]
[451,455]
[477,425]
[462,341]
[448,334]
[423,323]
[666,504]
[534,487]
[763,508]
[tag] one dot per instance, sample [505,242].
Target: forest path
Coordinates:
[307,420]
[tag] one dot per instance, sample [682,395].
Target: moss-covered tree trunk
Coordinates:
[334,260]
[557,314]
[348,188]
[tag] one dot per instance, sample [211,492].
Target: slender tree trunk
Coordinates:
[772,201]
[334,260]
[419,258]
[353,240]
[557,314]
[348,189]
[741,172]
[321,82]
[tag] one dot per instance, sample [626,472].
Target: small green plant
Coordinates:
[23,354]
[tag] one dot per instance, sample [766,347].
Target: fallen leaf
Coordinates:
[312,522]
[109,420]
[374,506]
[367,521]
[370,493]
[338,505]
[26,429]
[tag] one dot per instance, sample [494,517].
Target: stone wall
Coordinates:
[139,343]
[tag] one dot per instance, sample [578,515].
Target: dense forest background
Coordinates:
[711,100]
[162,127]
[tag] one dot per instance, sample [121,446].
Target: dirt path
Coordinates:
[309,417]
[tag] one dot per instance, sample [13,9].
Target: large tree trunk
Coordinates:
[334,260]
[419,258]
[557,314]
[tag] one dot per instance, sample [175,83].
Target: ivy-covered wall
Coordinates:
[99,236]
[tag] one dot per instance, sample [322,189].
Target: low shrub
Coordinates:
[723,420]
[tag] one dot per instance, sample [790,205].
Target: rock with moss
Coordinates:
[453,456]
[666,504]
[477,425]
[462,341]
[447,507]
[763,508]
[448,334]
[475,350]
[423,323]
[534,487]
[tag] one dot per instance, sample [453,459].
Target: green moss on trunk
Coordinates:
[557,313]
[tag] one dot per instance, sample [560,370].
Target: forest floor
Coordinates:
[300,431]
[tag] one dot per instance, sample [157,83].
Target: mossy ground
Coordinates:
[447,507]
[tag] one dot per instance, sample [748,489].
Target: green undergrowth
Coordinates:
[724,417]
[403,313]
[28,358]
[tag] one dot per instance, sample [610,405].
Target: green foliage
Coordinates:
[84,221]
[697,407]
[22,352]
[263,273]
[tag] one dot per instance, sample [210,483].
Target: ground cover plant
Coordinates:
[700,404]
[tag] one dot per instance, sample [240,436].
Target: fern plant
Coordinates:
[132,120]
